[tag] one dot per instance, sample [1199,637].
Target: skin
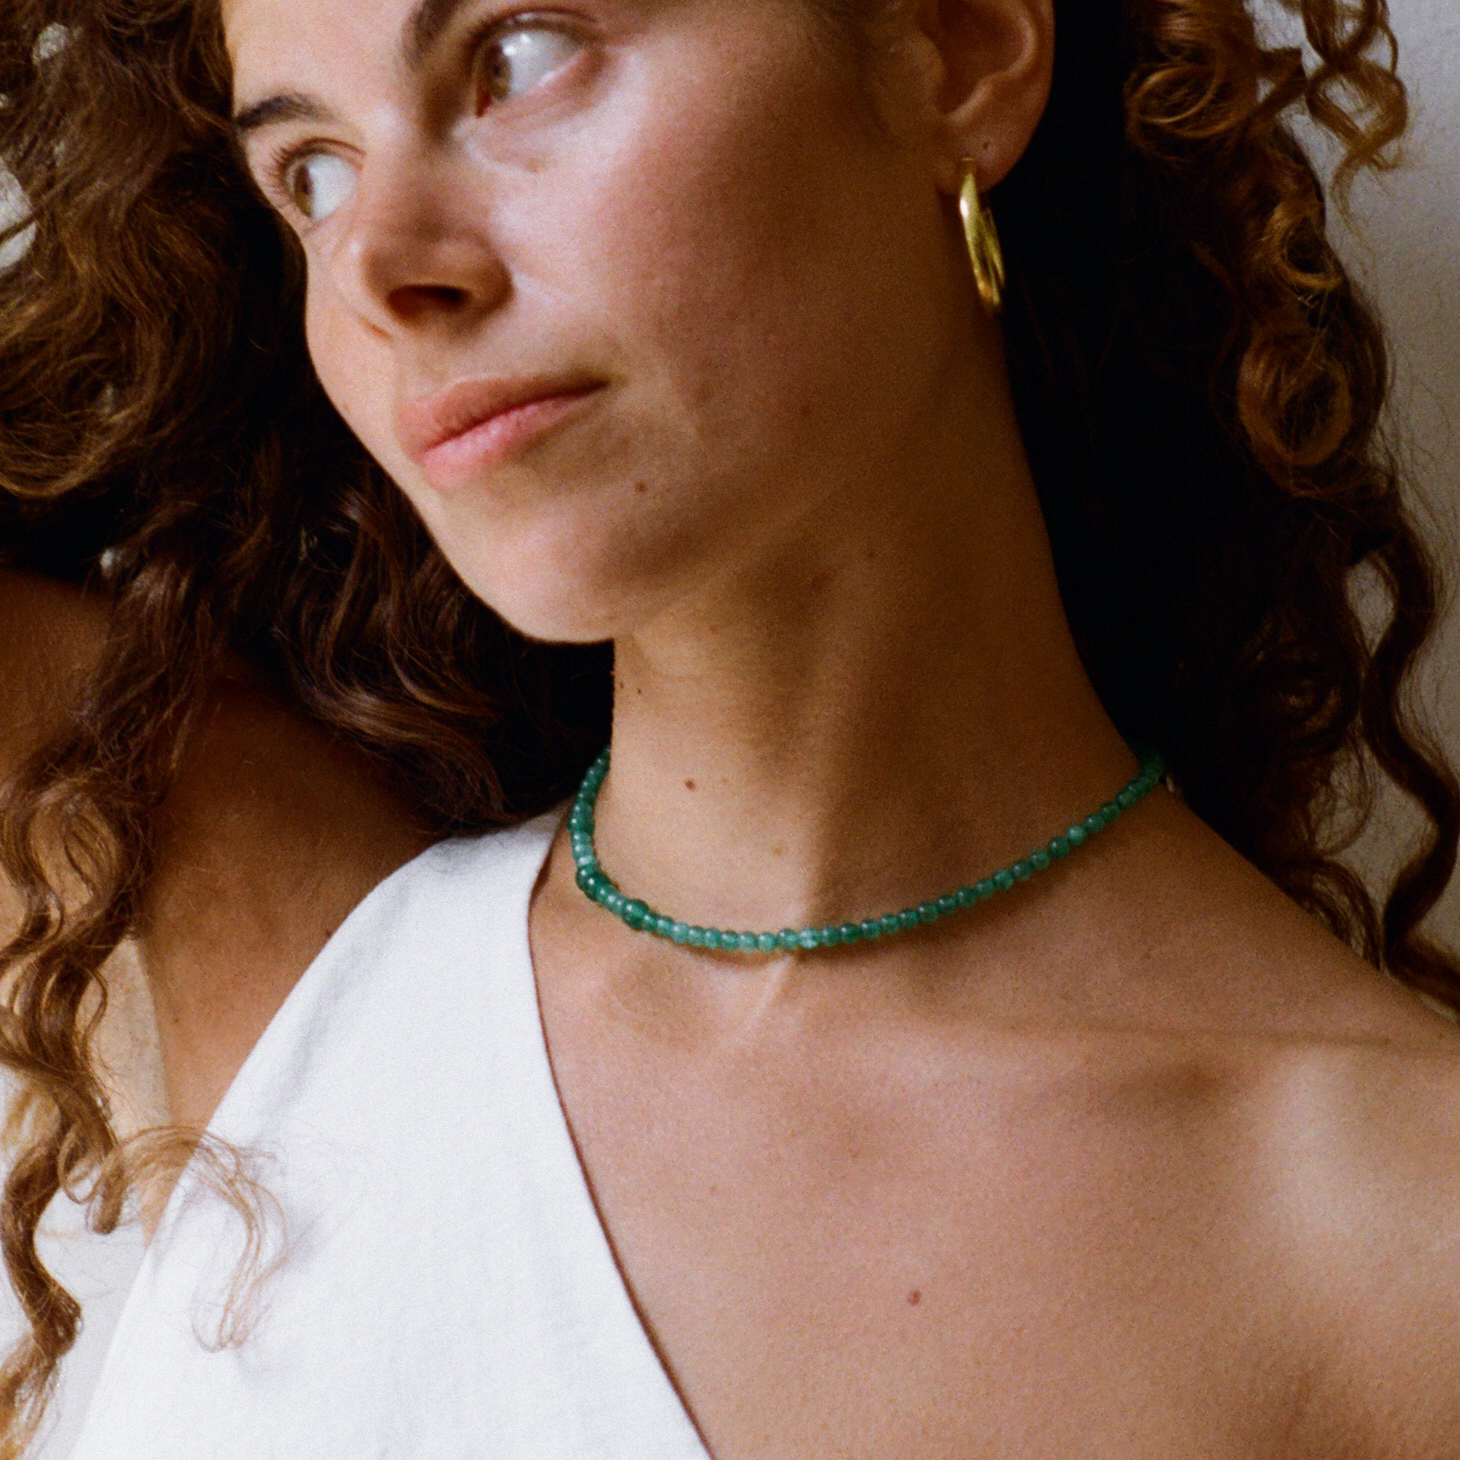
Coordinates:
[271,835]
[1137,1163]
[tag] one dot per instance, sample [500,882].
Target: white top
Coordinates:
[446,1290]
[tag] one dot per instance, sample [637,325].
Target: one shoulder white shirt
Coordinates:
[446,1290]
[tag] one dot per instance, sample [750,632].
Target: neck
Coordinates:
[883,706]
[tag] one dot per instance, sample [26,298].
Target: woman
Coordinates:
[663,320]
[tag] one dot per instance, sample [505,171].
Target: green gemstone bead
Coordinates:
[591,878]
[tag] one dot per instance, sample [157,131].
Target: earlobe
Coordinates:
[998,66]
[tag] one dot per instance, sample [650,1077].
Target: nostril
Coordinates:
[413,301]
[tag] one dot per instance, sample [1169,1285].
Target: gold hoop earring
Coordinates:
[984,249]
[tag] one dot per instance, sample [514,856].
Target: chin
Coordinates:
[569,581]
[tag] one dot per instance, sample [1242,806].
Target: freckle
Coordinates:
[691,786]
[914,1298]
[641,487]
[778,851]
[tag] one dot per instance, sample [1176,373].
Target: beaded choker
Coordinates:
[642,918]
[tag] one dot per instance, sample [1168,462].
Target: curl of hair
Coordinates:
[1202,386]
[1199,383]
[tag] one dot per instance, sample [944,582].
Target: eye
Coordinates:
[516,60]
[318,184]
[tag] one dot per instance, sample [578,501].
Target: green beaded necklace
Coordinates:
[642,918]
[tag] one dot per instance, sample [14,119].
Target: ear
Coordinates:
[986,67]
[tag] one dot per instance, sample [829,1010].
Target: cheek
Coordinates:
[357,369]
[728,241]
[774,269]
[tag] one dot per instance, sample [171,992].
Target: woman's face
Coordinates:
[625,294]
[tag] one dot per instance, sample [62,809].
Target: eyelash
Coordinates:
[277,167]
[281,160]
[498,29]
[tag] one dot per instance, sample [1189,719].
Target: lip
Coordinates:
[482,423]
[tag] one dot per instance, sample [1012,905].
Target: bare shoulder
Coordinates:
[272,831]
[1337,1092]
[1357,1145]
[51,634]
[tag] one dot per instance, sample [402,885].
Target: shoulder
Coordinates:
[272,831]
[51,635]
[1356,1145]
[1333,1093]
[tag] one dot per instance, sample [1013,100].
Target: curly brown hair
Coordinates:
[1200,387]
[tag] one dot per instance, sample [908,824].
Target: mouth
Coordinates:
[477,424]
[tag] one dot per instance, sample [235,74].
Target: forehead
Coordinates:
[258,27]
[314,35]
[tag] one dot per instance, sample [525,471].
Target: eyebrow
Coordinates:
[423,30]
[430,20]
[288,106]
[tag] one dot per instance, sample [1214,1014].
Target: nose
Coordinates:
[415,253]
